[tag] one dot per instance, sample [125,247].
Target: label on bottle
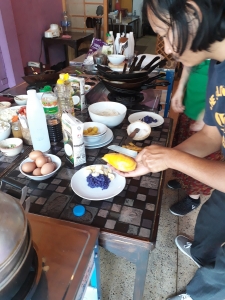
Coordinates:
[51,109]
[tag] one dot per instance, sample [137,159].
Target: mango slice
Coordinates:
[120,161]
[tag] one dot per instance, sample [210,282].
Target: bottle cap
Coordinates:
[79,210]
[46,88]
[31,92]
[60,81]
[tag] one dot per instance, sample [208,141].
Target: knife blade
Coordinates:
[131,136]
[122,150]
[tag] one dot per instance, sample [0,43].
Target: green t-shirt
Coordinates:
[195,94]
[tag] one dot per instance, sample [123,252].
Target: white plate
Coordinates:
[99,146]
[139,115]
[80,186]
[108,136]
[7,113]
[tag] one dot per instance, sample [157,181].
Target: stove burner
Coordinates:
[128,100]
[29,286]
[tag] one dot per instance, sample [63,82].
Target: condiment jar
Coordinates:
[16,127]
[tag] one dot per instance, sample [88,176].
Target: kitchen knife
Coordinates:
[122,150]
[131,136]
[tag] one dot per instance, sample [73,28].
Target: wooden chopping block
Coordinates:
[120,66]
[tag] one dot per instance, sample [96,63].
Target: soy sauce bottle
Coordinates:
[53,117]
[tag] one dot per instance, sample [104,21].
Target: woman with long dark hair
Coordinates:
[194,31]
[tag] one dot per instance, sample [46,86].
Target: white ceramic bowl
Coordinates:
[100,112]
[11,146]
[95,138]
[4,104]
[116,59]
[129,14]
[5,130]
[54,159]
[21,99]
[144,132]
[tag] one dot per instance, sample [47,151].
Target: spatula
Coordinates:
[133,64]
[138,65]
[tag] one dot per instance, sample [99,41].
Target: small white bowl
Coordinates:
[21,99]
[98,113]
[11,146]
[144,132]
[97,137]
[4,104]
[54,159]
[116,59]
[5,130]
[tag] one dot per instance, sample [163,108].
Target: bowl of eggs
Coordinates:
[40,166]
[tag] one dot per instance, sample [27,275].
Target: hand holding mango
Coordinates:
[120,161]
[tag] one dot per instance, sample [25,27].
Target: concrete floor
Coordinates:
[169,270]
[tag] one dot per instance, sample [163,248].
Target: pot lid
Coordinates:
[12,225]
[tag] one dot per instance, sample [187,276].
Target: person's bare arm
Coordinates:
[186,158]
[177,98]
[202,143]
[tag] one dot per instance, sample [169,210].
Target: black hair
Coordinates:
[177,14]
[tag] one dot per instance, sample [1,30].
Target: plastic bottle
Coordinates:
[112,39]
[37,123]
[117,5]
[117,43]
[64,94]
[53,116]
[65,23]
[126,51]
[131,44]
[16,128]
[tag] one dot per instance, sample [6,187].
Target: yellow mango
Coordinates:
[120,161]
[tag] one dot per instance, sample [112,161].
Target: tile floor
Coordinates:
[169,271]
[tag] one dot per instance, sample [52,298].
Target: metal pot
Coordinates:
[14,236]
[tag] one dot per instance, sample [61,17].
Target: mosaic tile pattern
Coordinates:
[132,212]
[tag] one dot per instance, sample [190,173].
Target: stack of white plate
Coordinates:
[106,139]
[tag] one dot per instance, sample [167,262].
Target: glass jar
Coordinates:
[16,129]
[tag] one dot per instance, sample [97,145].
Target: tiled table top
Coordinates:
[134,212]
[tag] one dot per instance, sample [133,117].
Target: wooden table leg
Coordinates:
[47,59]
[135,251]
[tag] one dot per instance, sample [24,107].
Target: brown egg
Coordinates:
[37,172]
[28,167]
[34,154]
[41,160]
[47,168]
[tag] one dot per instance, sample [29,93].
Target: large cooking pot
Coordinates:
[15,239]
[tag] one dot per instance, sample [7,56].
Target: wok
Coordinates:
[137,90]
[132,85]
[43,77]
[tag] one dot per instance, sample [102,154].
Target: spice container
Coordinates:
[16,127]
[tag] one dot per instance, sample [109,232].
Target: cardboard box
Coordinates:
[73,139]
